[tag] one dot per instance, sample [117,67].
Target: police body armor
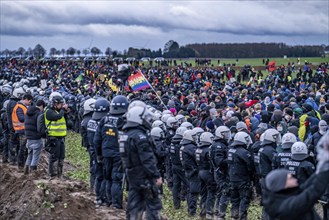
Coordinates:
[175,154]
[292,167]
[130,158]
[111,149]
[282,158]
[202,158]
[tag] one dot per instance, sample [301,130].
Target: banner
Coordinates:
[271,66]
[112,86]
[138,82]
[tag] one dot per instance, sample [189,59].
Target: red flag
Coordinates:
[271,66]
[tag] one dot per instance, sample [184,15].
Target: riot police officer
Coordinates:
[187,151]
[218,157]
[280,159]
[160,150]
[13,137]
[172,125]
[139,162]
[87,115]
[266,154]
[299,166]
[206,175]
[107,145]
[179,180]
[240,167]
[268,150]
[101,108]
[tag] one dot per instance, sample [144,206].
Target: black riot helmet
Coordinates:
[119,105]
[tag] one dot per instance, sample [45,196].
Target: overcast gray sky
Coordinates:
[150,24]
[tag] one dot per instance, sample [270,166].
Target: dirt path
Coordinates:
[26,197]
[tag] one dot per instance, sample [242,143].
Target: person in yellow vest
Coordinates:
[18,118]
[310,117]
[56,129]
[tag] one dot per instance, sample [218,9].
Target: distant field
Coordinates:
[259,61]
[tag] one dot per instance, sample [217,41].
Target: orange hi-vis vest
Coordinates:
[18,126]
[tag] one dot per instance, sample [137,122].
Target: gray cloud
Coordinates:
[187,21]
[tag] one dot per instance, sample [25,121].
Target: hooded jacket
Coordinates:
[30,123]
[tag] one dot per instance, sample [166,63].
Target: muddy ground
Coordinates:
[29,197]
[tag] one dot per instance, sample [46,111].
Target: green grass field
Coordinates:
[259,61]
[78,157]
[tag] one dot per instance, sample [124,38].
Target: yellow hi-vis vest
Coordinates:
[56,128]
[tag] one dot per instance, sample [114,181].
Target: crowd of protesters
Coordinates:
[220,133]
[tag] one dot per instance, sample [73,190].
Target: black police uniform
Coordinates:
[266,154]
[280,159]
[256,178]
[240,166]
[179,179]
[106,142]
[98,166]
[86,144]
[5,137]
[300,169]
[161,153]
[139,161]
[218,155]
[169,173]
[207,181]
[13,137]
[191,172]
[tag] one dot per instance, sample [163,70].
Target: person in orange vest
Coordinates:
[18,118]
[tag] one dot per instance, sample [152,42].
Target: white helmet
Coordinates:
[180,131]
[160,124]
[299,151]
[167,112]
[164,118]
[271,136]
[157,133]
[241,125]
[288,140]
[151,108]
[206,138]
[18,92]
[54,94]
[188,135]
[136,103]
[139,115]
[7,89]
[172,123]
[89,106]
[223,132]
[241,138]
[187,125]
[180,118]
[197,132]
[158,114]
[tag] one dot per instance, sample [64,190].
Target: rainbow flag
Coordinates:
[138,82]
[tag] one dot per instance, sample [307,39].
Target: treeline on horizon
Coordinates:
[173,50]
[231,50]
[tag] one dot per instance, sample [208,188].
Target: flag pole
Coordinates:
[154,90]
